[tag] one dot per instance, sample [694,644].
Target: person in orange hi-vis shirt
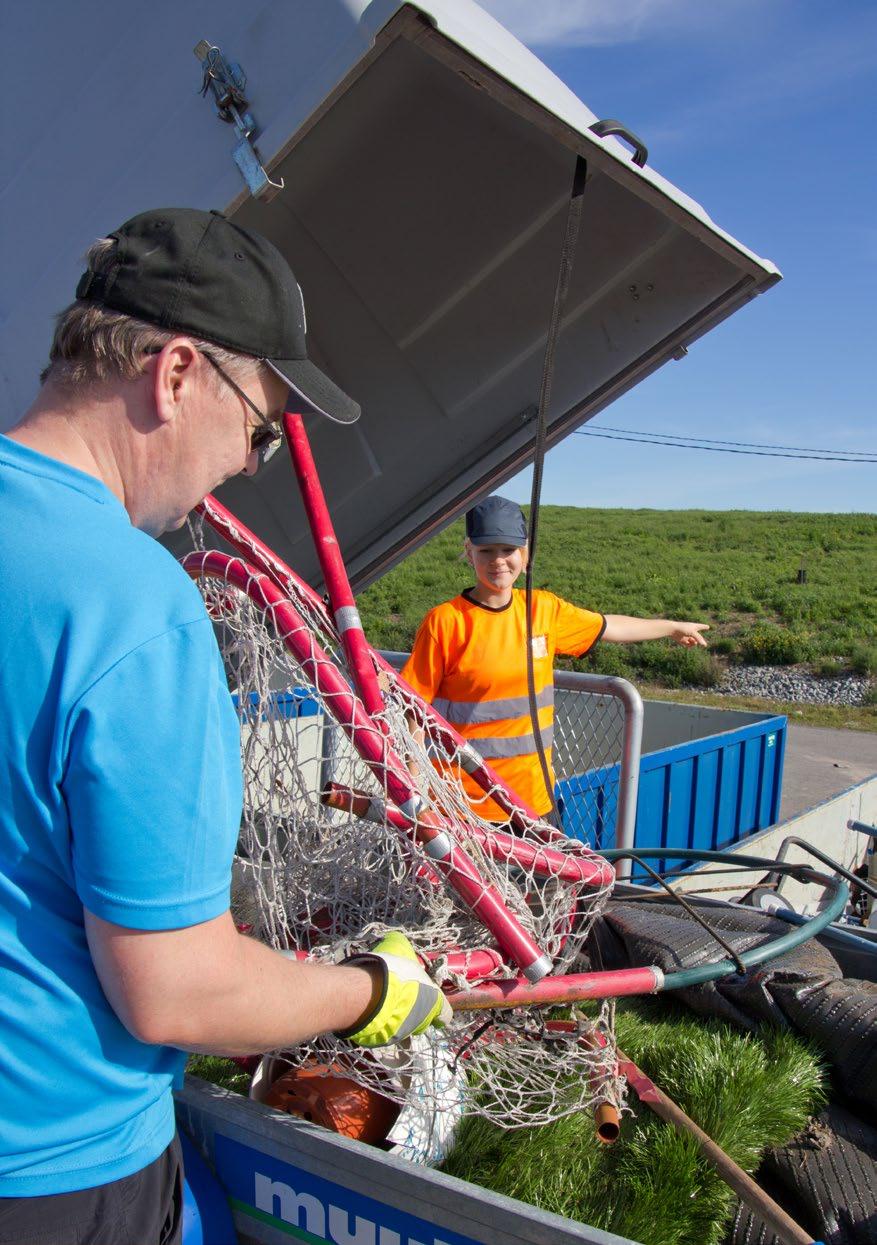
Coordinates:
[469,656]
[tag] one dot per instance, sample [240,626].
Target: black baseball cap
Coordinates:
[496,521]
[197,272]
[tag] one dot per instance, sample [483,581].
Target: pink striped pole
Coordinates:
[347,620]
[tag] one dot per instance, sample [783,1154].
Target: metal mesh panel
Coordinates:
[591,760]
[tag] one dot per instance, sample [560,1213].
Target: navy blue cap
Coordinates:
[496,521]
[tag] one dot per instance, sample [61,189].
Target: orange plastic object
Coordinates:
[607,1123]
[321,1093]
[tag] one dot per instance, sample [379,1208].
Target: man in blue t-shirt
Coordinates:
[120,789]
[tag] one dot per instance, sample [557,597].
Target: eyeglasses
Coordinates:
[266,438]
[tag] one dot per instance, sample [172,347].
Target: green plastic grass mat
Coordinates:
[747,1092]
[219,1071]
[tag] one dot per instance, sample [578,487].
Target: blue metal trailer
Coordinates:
[707,778]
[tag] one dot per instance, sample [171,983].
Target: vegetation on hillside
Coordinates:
[737,570]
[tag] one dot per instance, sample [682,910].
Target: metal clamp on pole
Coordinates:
[228,81]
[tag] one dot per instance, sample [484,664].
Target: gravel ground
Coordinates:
[793,684]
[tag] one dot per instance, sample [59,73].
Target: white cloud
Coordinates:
[589,23]
[798,61]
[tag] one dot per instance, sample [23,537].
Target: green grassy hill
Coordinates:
[736,570]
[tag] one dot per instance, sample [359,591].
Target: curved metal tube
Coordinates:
[767,951]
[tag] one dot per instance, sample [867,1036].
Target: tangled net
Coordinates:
[327,879]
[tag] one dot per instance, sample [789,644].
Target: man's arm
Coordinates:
[622,629]
[209,988]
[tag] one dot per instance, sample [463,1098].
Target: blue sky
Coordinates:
[765,111]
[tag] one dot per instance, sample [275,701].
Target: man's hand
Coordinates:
[409,1001]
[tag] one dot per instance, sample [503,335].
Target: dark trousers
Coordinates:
[143,1209]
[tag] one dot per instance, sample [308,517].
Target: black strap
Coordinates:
[567,254]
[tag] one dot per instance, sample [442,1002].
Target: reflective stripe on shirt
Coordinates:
[477,712]
[512,745]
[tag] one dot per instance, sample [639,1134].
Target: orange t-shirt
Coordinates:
[469,661]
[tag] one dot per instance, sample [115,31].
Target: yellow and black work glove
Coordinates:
[410,1000]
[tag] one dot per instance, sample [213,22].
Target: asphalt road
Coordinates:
[820,763]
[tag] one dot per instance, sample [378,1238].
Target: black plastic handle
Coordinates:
[605,129]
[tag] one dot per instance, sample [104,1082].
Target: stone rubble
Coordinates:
[792,683]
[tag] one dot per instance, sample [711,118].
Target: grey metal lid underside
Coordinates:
[423,214]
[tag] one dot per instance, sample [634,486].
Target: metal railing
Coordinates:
[598,727]
[598,724]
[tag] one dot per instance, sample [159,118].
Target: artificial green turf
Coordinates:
[219,1071]
[747,1092]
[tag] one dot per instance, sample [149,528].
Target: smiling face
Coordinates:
[496,568]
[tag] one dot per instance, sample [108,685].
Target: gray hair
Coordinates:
[93,344]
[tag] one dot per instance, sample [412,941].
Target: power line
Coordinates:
[753,445]
[719,449]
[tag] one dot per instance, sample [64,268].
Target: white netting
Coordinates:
[331,881]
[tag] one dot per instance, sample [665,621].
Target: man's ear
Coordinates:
[175,372]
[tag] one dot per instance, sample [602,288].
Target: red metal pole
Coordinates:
[557,991]
[248,544]
[356,647]
[545,862]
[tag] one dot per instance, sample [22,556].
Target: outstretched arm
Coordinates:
[622,629]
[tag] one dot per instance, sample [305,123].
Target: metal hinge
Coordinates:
[228,82]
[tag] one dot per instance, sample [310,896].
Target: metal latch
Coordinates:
[228,82]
